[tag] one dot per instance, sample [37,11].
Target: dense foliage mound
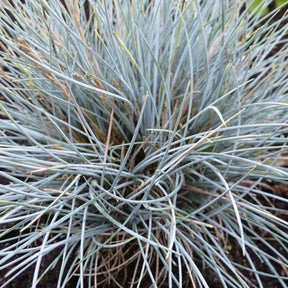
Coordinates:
[142,144]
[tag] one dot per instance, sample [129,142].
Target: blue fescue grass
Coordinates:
[137,138]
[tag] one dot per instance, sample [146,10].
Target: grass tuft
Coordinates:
[143,144]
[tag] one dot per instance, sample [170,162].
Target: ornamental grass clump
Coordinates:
[141,143]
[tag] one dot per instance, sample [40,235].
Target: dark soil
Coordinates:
[236,254]
[25,279]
